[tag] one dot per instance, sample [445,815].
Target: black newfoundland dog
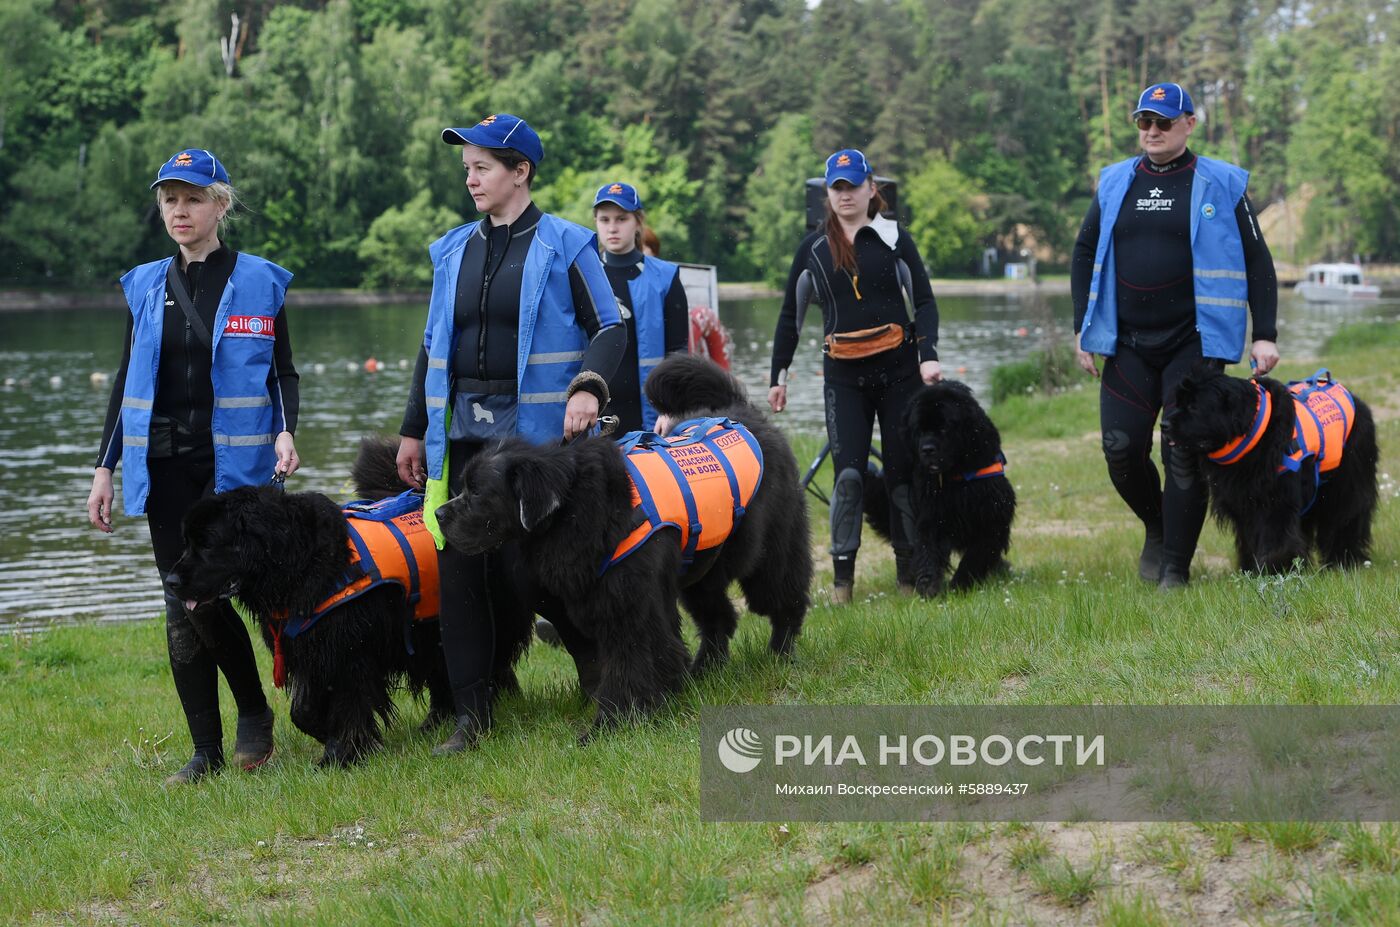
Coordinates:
[1269,480]
[963,503]
[282,554]
[571,506]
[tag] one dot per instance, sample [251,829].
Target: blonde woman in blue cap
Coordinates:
[205,400]
[861,267]
[522,335]
[1167,262]
[649,295]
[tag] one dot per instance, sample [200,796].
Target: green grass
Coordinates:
[530,828]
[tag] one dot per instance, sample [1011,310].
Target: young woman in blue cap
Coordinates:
[861,266]
[649,295]
[1168,260]
[522,335]
[205,400]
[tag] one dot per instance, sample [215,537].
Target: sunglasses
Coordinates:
[1147,122]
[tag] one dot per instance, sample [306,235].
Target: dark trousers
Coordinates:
[1137,386]
[851,411]
[487,608]
[219,640]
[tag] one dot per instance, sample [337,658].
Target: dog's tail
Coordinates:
[375,473]
[684,383]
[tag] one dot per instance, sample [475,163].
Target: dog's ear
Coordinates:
[538,491]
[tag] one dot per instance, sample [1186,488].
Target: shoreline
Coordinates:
[30,300]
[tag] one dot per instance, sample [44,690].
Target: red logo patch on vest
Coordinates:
[251,326]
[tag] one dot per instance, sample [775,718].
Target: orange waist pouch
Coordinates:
[866,342]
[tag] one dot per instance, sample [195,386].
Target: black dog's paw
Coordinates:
[783,643]
[929,587]
[433,721]
[338,755]
[708,658]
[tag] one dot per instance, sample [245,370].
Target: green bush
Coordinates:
[1048,371]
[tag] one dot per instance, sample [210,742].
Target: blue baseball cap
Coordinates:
[1169,100]
[192,165]
[499,131]
[622,194]
[848,164]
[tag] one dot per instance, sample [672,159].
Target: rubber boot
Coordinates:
[252,746]
[473,710]
[1150,560]
[200,766]
[844,579]
[547,633]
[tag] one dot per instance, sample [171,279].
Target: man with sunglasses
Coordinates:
[1168,268]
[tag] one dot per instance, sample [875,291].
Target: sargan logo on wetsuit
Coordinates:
[258,326]
[1155,202]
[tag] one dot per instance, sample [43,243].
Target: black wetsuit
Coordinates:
[625,388]
[180,461]
[857,392]
[481,593]
[1158,343]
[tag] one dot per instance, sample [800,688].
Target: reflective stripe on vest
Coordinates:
[396,549]
[1219,280]
[648,293]
[243,335]
[698,480]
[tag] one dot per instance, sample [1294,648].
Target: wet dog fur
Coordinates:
[570,506]
[1260,505]
[280,553]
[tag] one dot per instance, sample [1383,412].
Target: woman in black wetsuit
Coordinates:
[205,400]
[859,264]
[522,335]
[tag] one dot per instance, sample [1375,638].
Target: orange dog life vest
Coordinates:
[698,480]
[388,544]
[1323,414]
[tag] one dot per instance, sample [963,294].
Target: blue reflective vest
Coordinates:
[1217,258]
[648,292]
[551,343]
[243,416]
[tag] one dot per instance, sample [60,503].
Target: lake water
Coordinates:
[55,568]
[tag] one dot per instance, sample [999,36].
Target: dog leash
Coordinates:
[604,426]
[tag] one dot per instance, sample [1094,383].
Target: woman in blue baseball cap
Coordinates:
[205,400]
[861,267]
[649,295]
[522,336]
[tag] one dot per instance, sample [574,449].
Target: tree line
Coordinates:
[995,116]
